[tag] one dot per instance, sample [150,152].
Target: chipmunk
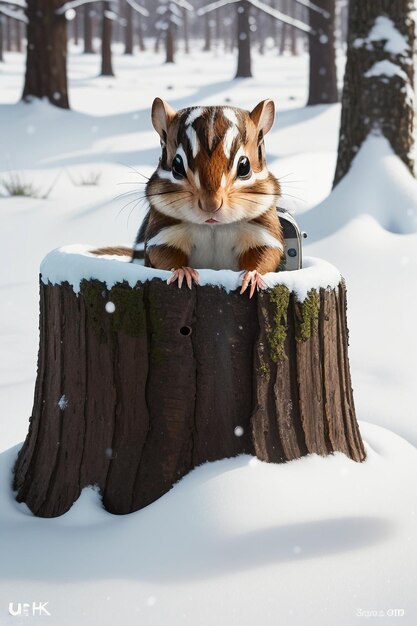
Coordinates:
[212,199]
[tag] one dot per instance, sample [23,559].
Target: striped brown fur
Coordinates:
[201,186]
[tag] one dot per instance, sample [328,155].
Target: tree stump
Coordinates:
[139,381]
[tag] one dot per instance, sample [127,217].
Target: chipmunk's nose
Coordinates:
[211,204]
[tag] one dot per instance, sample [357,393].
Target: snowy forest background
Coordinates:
[316,541]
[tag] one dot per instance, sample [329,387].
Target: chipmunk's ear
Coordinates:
[263,116]
[162,116]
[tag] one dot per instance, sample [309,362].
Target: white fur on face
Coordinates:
[193,115]
[192,136]
[230,115]
[231,134]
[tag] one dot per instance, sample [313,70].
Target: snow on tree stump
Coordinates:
[139,381]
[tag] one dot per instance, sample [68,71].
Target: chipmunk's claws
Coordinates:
[184,272]
[255,280]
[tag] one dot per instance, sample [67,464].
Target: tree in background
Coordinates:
[378,91]
[106,40]
[244,61]
[128,20]
[132,9]
[321,44]
[88,29]
[170,19]
[46,61]
[243,27]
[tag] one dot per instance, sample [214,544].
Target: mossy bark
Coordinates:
[132,400]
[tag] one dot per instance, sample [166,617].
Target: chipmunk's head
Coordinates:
[212,168]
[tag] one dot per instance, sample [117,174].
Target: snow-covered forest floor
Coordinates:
[237,542]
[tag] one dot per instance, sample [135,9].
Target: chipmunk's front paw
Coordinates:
[255,280]
[184,272]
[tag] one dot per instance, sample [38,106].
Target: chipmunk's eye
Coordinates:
[243,167]
[178,170]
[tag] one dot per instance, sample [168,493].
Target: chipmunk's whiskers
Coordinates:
[127,193]
[134,170]
[295,197]
[137,200]
[133,182]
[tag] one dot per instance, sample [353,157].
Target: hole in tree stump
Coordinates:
[185,331]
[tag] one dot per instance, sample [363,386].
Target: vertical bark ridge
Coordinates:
[357,450]
[170,391]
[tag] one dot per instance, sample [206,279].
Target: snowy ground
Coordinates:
[236,542]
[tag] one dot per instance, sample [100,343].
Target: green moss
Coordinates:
[263,368]
[279,297]
[307,313]
[129,315]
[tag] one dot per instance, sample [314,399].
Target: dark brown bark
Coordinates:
[185,31]
[207,33]
[18,35]
[128,29]
[88,30]
[8,37]
[132,401]
[1,37]
[244,67]
[46,60]
[106,41]
[76,26]
[323,76]
[169,43]
[377,104]
[293,32]
[141,39]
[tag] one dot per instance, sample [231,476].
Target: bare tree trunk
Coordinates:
[379,80]
[217,28]
[128,29]
[284,29]
[293,32]
[261,33]
[76,28]
[106,41]
[207,33]
[1,37]
[141,40]
[46,61]
[244,69]
[323,76]
[185,30]
[88,30]
[169,44]
[17,26]
[274,25]
[8,41]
